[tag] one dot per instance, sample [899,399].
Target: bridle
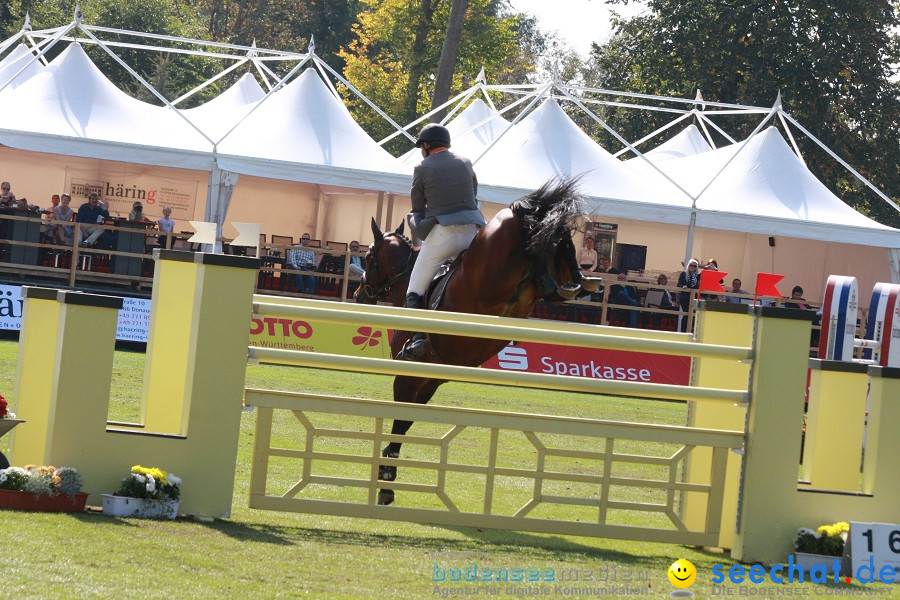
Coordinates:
[372,268]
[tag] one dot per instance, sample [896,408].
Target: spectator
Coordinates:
[166,227]
[736,289]
[63,233]
[606,265]
[587,256]
[689,279]
[54,202]
[90,213]
[303,260]
[137,213]
[357,268]
[797,300]
[625,295]
[6,197]
[666,301]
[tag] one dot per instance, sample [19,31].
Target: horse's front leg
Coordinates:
[406,389]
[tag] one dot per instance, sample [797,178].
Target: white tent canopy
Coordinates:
[218,116]
[547,143]
[688,142]
[302,132]
[17,60]
[467,139]
[71,108]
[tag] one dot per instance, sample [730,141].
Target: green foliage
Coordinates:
[387,65]
[833,61]
[827,540]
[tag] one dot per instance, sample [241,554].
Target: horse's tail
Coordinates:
[548,215]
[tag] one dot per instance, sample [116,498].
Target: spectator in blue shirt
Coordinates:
[303,260]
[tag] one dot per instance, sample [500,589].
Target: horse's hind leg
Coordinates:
[406,389]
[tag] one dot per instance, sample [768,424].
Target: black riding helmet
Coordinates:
[435,134]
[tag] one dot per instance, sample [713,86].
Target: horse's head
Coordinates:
[389,262]
[547,217]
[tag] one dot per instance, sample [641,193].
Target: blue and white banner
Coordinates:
[134,316]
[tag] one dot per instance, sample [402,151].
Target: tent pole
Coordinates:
[689,248]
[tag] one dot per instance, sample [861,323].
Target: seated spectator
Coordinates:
[300,259]
[797,300]
[166,227]
[137,213]
[6,197]
[625,295]
[90,213]
[666,300]
[587,257]
[62,234]
[736,289]
[606,265]
[357,267]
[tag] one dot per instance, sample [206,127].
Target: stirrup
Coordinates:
[413,350]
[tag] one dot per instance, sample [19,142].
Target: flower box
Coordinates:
[17,500]
[125,506]
[808,561]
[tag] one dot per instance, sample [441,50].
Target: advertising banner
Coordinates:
[288,334]
[593,364]
[133,323]
[122,189]
[374,342]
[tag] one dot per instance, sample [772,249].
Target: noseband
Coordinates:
[385,288]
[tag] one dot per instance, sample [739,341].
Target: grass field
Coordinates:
[272,554]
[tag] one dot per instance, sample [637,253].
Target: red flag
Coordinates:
[710,280]
[765,284]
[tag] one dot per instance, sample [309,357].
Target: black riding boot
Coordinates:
[414,349]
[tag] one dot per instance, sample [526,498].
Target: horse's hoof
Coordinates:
[568,291]
[385,497]
[591,284]
[387,473]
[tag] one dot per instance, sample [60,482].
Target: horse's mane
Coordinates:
[548,214]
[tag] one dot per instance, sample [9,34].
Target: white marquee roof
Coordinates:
[219,115]
[468,140]
[71,108]
[303,132]
[688,142]
[13,63]
[547,143]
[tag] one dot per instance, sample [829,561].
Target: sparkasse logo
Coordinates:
[513,358]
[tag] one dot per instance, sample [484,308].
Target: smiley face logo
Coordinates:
[682,573]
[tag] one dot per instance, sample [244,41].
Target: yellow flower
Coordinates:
[158,474]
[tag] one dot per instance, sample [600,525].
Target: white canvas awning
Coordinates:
[71,108]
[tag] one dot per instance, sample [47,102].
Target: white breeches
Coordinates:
[443,242]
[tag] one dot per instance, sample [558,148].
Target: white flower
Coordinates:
[2,475]
[139,478]
[10,415]
[174,479]
[151,484]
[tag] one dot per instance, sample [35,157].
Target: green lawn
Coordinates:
[273,554]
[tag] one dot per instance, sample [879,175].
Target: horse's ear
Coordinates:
[399,230]
[376,231]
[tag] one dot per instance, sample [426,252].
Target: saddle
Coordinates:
[439,284]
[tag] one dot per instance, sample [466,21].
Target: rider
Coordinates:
[444,216]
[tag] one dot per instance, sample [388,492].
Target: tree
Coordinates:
[834,62]
[448,55]
[396,52]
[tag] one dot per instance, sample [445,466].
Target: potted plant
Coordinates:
[42,489]
[820,546]
[146,492]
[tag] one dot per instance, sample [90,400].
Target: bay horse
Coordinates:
[517,259]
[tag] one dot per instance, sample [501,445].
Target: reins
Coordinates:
[385,288]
